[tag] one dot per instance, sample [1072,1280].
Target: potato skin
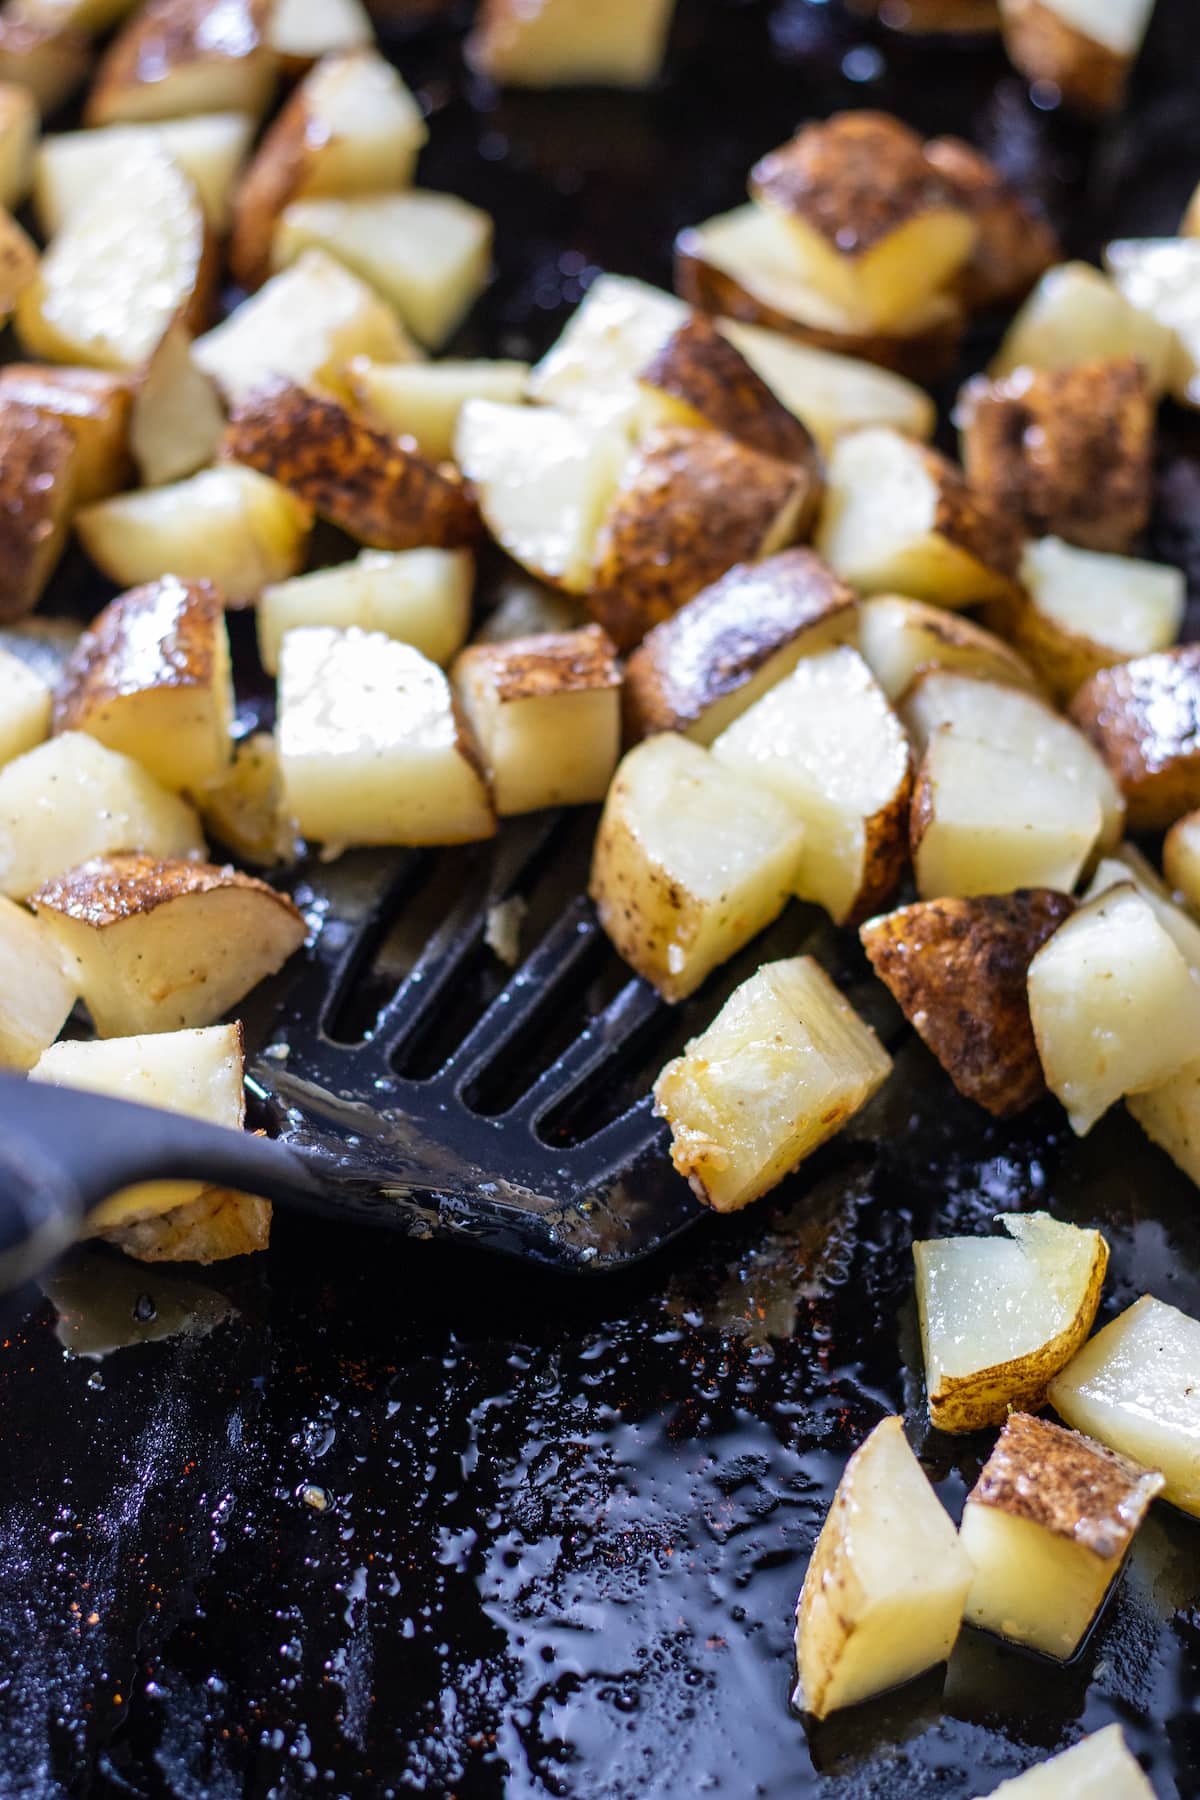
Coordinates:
[216,1225]
[180,619]
[359,478]
[546,664]
[702,369]
[1065,1483]
[1088,75]
[275,176]
[1144,718]
[691,504]
[37,479]
[1015,245]
[957,970]
[972,520]
[110,889]
[1069,452]
[94,405]
[854,178]
[168,34]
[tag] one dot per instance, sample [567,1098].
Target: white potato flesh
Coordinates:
[592,369]
[73,168]
[783,1066]
[120,270]
[364,127]
[1000,1316]
[228,525]
[371,747]
[899,637]
[429,255]
[558,43]
[1133,1387]
[72,798]
[303,30]
[242,810]
[423,400]
[827,742]
[18,136]
[878,525]
[1115,1007]
[197,1073]
[419,597]
[691,861]
[24,707]
[1161,276]
[544,481]
[1030,1585]
[1100,1767]
[832,394]
[1170,1117]
[1129,865]
[36,995]
[1120,25]
[883,1596]
[304,325]
[1075,314]
[176,419]
[1120,604]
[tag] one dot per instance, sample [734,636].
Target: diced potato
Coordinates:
[37,492]
[899,639]
[242,810]
[151,678]
[1130,865]
[1114,1005]
[543,481]
[122,269]
[214,1226]
[24,707]
[424,400]
[372,749]
[1159,276]
[36,995]
[1181,859]
[351,127]
[178,57]
[546,712]
[1075,314]
[593,367]
[73,168]
[164,945]
[420,597]
[1014,242]
[875,228]
[48,59]
[430,255]
[230,526]
[1170,1117]
[305,325]
[93,405]
[301,31]
[883,1594]
[18,265]
[1097,1765]
[698,378]
[958,970]
[828,744]
[177,421]
[72,798]
[197,1073]
[570,43]
[988,821]
[376,488]
[18,136]
[1144,718]
[1046,1526]
[899,518]
[1000,1317]
[1069,452]
[707,664]
[1133,1387]
[783,1066]
[1084,48]
[689,505]
[690,862]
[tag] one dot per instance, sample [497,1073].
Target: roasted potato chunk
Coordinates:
[18,265]
[18,135]
[421,597]
[1144,718]
[690,504]
[37,491]
[48,59]
[178,57]
[302,31]
[958,968]
[699,379]
[1159,276]
[1077,315]
[176,421]
[423,401]
[1181,859]
[25,703]
[1099,1764]
[618,327]
[374,487]
[703,667]
[1014,244]
[1130,865]
[36,994]
[1084,48]
[73,167]
[899,639]
[95,408]
[558,43]
[242,810]
[214,1226]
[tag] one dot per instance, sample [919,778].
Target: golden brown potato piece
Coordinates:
[899,639]
[37,493]
[18,264]
[383,494]
[563,43]
[707,664]
[178,57]
[1069,452]
[1088,72]
[216,1225]
[957,969]
[1181,860]
[699,379]
[93,404]
[689,506]
[50,60]
[1015,244]
[1144,718]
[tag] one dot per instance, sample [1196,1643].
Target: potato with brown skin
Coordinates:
[37,494]
[50,60]
[699,379]
[1015,244]
[93,404]
[957,970]
[18,264]
[899,639]
[369,484]
[689,506]
[698,670]
[1069,452]
[176,57]
[1089,75]
[1144,718]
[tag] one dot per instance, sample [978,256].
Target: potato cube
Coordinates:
[151,678]
[73,168]
[828,744]
[430,255]
[958,969]
[72,798]
[592,368]
[1046,1526]
[543,481]
[691,861]
[783,1066]
[95,408]
[883,1594]
[1144,718]
[1084,48]
[1159,276]
[37,492]
[301,31]
[546,712]
[18,265]
[1014,243]
[164,945]
[424,400]
[18,136]
[1130,865]
[562,43]
[216,1225]
[243,809]
[230,526]
[177,421]
[899,639]
[372,748]
[1077,315]
[420,597]
[698,378]
[1170,1117]
[1115,1007]
[48,59]
[899,518]
[1133,1388]
[36,995]
[1181,859]
[25,702]
[1099,1764]
[707,664]
[178,57]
